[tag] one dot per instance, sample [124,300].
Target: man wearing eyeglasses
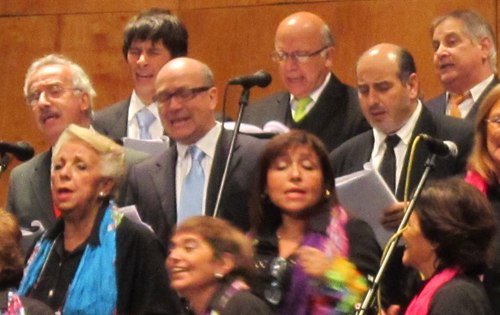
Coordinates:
[59,93]
[315,100]
[150,40]
[184,181]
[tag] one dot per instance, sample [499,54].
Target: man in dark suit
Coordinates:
[150,40]
[187,99]
[59,93]
[315,99]
[465,61]
[388,90]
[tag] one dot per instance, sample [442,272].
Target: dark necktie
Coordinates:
[388,166]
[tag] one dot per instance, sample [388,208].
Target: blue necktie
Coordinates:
[144,119]
[191,203]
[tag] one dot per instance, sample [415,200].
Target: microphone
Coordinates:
[440,147]
[260,78]
[21,150]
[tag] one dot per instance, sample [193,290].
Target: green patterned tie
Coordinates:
[300,111]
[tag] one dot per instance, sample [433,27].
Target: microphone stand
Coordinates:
[4,161]
[245,94]
[369,298]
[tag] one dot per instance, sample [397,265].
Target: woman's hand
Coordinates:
[313,261]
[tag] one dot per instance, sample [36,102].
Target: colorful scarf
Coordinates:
[306,296]
[421,303]
[93,289]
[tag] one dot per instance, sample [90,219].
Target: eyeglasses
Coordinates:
[52,92]
[180,95]
[495,121]
[280,56]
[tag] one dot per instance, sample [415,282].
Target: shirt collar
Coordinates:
[404,133]
[207,143]
[476,90]
[136,105]
[316,93]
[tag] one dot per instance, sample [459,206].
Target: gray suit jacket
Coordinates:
[29,196]
[112,120]
[437,105]
[151,185]
[335,117]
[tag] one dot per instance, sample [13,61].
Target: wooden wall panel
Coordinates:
[232,36]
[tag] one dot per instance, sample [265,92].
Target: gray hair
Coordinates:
[81,80]
[327,36]
[476,27]
[112,156]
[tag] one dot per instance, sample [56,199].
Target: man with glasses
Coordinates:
[151,39]
[184,180]
[59,93]
[315,100]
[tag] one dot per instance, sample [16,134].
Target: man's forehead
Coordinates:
[50,74]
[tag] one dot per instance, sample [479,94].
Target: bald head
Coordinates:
[186,99]
[387,86]
[303,34]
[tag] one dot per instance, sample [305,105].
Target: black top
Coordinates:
[463,295]
[31,306]
[142,281]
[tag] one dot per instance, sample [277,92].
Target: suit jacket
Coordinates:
[112,120]
[335,117]
[437,105]
[29,196]
[399,283]
[353,154]
[151,185]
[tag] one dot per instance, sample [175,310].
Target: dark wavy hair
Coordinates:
[265,217]
[458,219]
[157,24]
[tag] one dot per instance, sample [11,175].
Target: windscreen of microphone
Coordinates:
[440,147]
[23,151]
[260,78]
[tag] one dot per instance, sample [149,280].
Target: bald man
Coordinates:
[315,100]
[388,89]
[187,97]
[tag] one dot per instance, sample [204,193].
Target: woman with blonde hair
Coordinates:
[94,260]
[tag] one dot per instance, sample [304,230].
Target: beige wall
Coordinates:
[232,36]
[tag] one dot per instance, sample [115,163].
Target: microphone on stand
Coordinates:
[23,151]
[440,147]
[260,78]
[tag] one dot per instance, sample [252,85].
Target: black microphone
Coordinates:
[21,150]
[440,147]
[260,78]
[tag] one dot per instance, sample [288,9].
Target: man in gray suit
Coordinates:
[187,98]
[465,61]
[315,100]
[388,90]
[59,93]
[151,39]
